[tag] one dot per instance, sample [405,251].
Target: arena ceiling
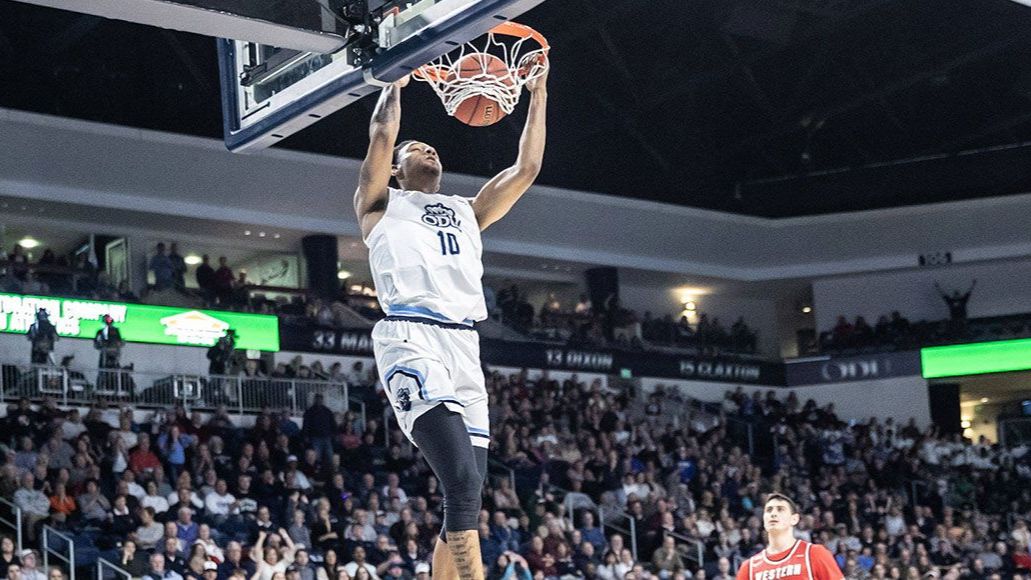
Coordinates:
[764,107]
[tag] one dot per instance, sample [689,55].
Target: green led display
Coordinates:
[141,322]
[976,359]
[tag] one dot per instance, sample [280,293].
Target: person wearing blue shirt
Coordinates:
[172,444]
[592,533]
[164,270]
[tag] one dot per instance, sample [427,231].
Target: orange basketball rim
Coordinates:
[523,50]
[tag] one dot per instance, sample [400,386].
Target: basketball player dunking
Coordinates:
[786,557]
[425,256]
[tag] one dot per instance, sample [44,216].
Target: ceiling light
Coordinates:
[192,259]
[964,424]
[807,309]
[261,234]
[343,274]
[984,399]
[690,306]
[247,232]
[28,243]
[276,236]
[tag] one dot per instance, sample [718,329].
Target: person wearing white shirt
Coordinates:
[271,561]
[393,489]
[136,490]
[359,561]
[185,496]
[153,500]
[220,503]
[72,426]
[211,549]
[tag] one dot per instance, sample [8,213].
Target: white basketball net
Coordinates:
[523,51]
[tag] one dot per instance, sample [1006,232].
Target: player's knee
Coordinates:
[462,501]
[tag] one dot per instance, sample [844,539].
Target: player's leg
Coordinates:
[443,564]
[442,437]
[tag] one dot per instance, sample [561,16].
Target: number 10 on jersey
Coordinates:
[448,244]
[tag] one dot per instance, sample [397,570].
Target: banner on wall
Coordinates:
[976,358]
[355,342]
[545,356]
[140,322]
[844,369]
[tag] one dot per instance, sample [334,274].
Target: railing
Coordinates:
[12,521]
[697,551]
[743,431]
[240,394]
[358,406]
[614,520]
[109,571]
[49,550]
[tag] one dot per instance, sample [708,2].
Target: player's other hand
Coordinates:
[539,84]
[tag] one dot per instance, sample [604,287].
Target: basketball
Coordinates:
[479,110]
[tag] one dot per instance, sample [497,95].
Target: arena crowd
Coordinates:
[181,495]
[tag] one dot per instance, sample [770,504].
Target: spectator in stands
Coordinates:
[273,561]
[109,342]
[358,562]
[150,532]
[219,504]
[319,428]
[162,267]
[125,293]
[157,569]
[30,566]
[93,506]
[223,283]
[42,334]
[130,560]
[18,262]
[205,275]
[143,459]
[957,304]
[105,289]
[62,504]
[7,556]
[34,504]
[173,445]
[178,266]
[33,286]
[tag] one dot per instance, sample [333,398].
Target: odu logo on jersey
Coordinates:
[440,216]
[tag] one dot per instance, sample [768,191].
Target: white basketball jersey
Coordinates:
[425,254]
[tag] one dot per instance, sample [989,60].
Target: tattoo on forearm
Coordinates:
[386,111]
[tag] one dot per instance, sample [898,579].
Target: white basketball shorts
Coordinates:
[424,364]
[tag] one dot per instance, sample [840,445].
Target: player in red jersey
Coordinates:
[786,557]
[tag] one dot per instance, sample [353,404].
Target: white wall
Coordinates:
[1002,288]
[760,315]
[560,376]
[147,358]
[899,398]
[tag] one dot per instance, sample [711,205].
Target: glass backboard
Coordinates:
[269,93]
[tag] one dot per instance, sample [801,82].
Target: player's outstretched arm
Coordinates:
[370,199]
[504,189]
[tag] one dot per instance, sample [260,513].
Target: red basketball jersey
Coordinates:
[803,561]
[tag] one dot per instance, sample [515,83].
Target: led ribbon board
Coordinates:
[976,359]
[140,322]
